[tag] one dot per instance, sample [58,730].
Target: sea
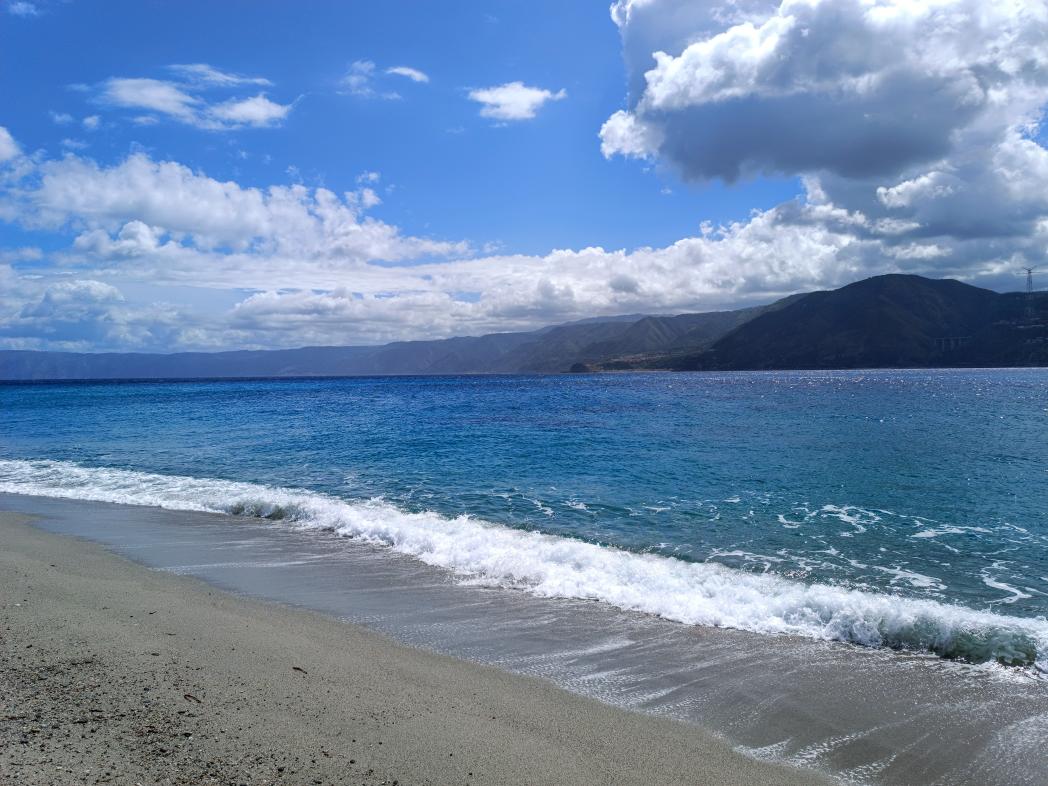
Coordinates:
[669,542]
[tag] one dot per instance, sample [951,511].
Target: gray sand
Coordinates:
[113,673]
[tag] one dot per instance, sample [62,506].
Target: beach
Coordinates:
[115,673]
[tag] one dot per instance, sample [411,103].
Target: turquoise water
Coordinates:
[898,508]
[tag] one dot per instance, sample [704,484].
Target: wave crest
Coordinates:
[551,566]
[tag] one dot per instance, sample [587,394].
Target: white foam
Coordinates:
[935,532]
[550,566]
[914,579]
[857,518]
[1014,592]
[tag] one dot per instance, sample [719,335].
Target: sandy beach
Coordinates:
[114,673]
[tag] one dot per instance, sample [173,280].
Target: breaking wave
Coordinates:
[551,566]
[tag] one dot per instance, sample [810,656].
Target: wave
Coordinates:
[550,566]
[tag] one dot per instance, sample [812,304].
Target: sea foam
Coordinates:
[551,566]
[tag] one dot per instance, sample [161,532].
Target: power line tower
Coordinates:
[1029,311]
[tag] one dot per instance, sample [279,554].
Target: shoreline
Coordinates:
[858,714]
[116,673]
[15,381]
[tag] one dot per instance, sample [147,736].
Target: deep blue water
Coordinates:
[922,483]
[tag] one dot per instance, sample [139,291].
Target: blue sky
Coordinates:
[223,174]
[528,186]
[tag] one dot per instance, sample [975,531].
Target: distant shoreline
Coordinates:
[498,374]
[888,321]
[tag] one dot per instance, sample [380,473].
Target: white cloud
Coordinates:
[364,198]
[30,253]
[410,73]
[86,314]
[91,122]
[79,292]
[200,213]
[257,111]
[913,125]
[8,147]
[181,100]
[748,262]
[61,118]
[154,94]
[931,185]
[623,134]
[359,81]
[203,74]
[21,8]
[854,87]
[513,100]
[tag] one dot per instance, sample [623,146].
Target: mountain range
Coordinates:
[888,321]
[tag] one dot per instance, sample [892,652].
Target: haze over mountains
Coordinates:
[888,321]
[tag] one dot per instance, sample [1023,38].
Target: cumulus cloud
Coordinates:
[133,204]
[257,111]
[185,102]
[741,263]
[854,87]
[73,299]
[513,100]
[8,147]
[914,126]
[84,314]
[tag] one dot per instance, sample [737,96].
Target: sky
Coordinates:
[205,176]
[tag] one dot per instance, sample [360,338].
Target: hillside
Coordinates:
[601,342]
[889,321]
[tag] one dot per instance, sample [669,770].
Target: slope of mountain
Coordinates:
[634,346]
[889,321]
[548,350]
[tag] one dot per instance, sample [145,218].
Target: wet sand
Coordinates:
[114,673]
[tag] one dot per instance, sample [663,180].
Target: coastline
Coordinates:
[100,654]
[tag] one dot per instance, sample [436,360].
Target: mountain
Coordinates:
[889,321]
[615,342]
